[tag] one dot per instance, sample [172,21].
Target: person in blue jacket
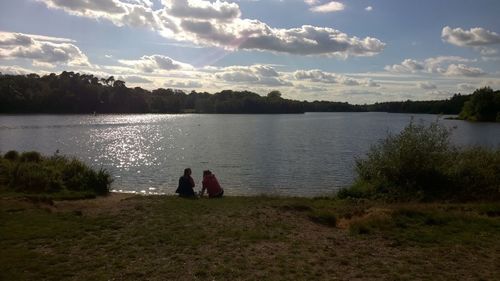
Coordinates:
[186,185]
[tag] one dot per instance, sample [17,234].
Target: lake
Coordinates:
[308,154]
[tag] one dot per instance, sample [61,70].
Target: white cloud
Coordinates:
[133,13]
[484,41]
[438,65]
[311,40]
[40,64]
[136,79]
[183,84]
[486,51]
[333,6]
[489,54]
[434,65]
[319,76]
[477,36]
[15,70]
[371,83]
[89,6]
[426,85]
[347,81]
[311,2]
[202,9]
[41,50]
[315,75]
[369,9]
[154,63]
[485,58]
[463,70]
[255,74]
[466,87]
[438,94]
[311,88]
[407,66]
[220,24]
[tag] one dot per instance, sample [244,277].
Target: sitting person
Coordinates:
[186,185]
[212,186]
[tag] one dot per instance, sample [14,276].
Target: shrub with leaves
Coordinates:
[11,155]
[410,163]
[420,163]
[475,174]
[31,172]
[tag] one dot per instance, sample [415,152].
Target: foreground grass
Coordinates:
[246,238]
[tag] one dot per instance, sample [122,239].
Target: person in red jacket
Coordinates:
[211,184]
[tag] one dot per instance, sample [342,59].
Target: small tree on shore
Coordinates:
[421,164]
[409,163]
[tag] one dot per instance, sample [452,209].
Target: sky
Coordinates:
[357,51]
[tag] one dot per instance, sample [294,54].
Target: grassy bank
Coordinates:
[50,177]
[247,238]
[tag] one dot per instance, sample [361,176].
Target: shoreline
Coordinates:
[205,113]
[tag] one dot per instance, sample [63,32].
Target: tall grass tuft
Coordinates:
[420,164]
[30,172]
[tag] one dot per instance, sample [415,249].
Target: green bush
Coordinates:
[73,173]
[475,174]
[36,178]
[5,170]
[360,189]
[101,181]
[11,155]
[409,164]
[420,164]
[30,156]
[34,173]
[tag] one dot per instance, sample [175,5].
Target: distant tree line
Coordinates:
[448,106]
[71,92]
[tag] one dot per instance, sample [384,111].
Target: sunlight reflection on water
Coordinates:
[307,155]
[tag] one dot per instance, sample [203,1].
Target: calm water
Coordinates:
[307,154]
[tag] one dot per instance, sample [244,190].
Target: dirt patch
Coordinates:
[112,203]
[295,208]
[370,214]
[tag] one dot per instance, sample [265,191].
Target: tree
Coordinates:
[118,84]
[274,94]
[484,105]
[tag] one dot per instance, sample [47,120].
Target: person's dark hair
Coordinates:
[206,173]
[187,171]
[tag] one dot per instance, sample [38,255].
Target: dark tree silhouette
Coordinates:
[484,105]
[71,92]
[274,95]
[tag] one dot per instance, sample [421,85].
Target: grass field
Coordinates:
[123,237]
